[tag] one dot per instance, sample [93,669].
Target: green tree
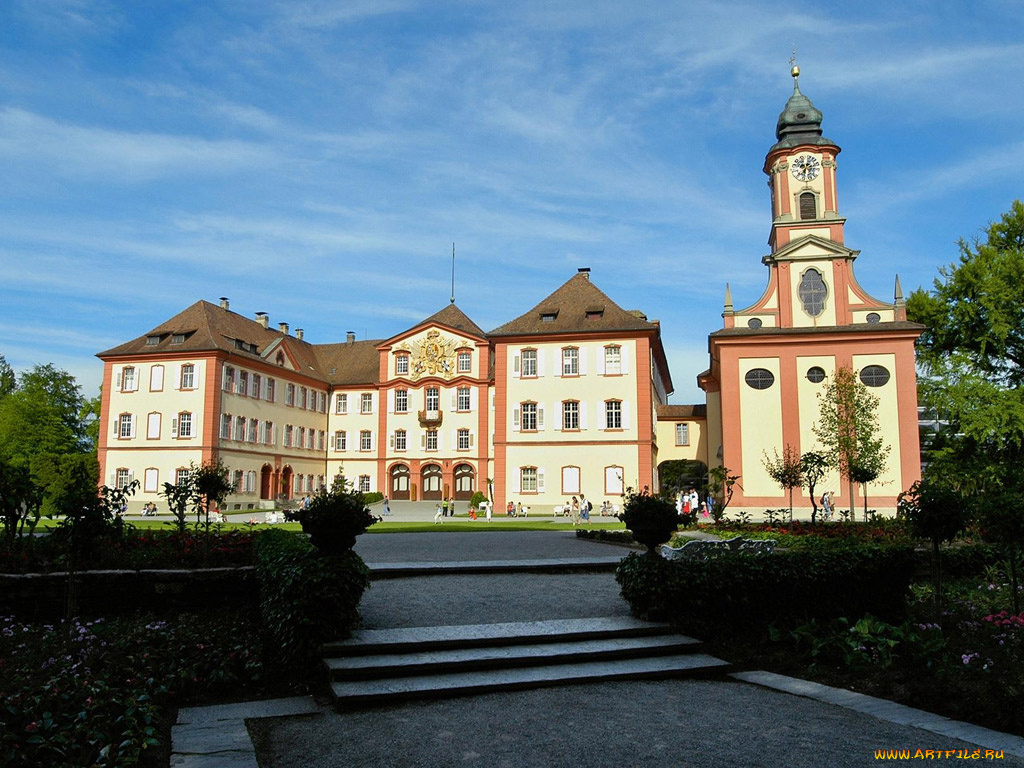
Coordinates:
[814,466]
[68,482]
[972,360]
[787,470]
[720,488]
[42,415]
[210,487]
[848,428]
[8,381]
[20,498]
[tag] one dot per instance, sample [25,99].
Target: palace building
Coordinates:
[568,398]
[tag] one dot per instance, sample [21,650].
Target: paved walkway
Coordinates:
[657,723]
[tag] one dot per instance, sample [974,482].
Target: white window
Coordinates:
[288,430]
[303,401]
[126,424]
[152,484]
[682,434]
[613,414]
[153,426]
[613,359]
[401,401]
[465,360]
[401,440]
[364,483]
[256,381]
[570,361]
[240,428]
[570,480]
[225,426]
[402,364]
[236,480]
[340,442]
[188,376]
[528,480]
[229,379]
[128,382]
[271,390]
[341,403]
[243,383]
[267,437]
[156,378]
[528,419]
[431,439]
[570,415]
[366,402]
[250,481]
[433,399]
[123,477]
[182,475]
[184,424]
[613,480]
[320,437]
[463,401]
[310,438]
[529,357]
[463,440]
[289,394]
[253,430]
[365,440]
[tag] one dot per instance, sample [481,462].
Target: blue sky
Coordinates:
[316,160]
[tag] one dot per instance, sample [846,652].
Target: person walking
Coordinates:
[519,509]
[387,507]
[826,505]
[575,509]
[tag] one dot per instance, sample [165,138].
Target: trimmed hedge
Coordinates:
[745,590]
[306,598]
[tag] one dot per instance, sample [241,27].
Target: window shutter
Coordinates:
[624,359]
[373,441]
[177,379]
[470,439]
[391,403]
[602,424]
[454,400]
[540,480]
[132,432]
[557,426]
[113,479]
[583,415]
[474,399]
[540,362]
[455,439]
[440,434]
[423,439]
[583,354]
[174,427]
[515,367]
[625,414]
[373,402]
[391,440]
[558,363]
[515,419]
[118,384]
[540,416]
[600,361]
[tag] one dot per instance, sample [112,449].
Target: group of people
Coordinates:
[446,508]
[690,503]
[580,509]
[826,505]
[516,509]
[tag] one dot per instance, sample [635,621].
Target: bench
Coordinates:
[702,550]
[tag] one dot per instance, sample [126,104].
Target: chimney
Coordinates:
[283,328]
[299,333]
[585,271]
[224,303]
[350,337]
[263,319]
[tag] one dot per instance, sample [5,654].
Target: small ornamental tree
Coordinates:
[814,466]
[786,470]
[720,488]
[651,519]
[935,511]
[334,517]
[210,486]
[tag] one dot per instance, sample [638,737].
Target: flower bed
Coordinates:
[92,692]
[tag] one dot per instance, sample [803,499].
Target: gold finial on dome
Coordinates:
[795,71]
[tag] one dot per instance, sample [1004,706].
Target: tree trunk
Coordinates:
[852,507]
[864,486]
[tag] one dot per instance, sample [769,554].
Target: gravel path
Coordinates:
[478,545]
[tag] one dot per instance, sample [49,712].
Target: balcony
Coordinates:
[429,418]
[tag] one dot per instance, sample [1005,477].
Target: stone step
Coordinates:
[446,660]
[360,692]
[416,639]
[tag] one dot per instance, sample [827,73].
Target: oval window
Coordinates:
[874,376]
[759,378]
[812,292]
[754,322]
[873,317]
[816,374]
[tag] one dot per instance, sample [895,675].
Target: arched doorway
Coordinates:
[267,482]
[286,482]
[678,475]
[431,482]
[400,477]
[465,478]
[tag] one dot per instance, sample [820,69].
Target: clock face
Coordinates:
[806,168]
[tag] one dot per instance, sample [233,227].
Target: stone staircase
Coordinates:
[381,665]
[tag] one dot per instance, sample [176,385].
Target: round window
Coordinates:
[759,378]
[816,374]
[874,376]
[873,317]
[754,322]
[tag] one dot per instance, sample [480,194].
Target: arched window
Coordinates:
[808,206]
[813,292]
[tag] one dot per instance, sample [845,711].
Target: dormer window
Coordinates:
[152,341]
[548,315]
[594,313]
[813,292]
[178,338]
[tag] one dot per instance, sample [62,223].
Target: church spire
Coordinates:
[800,121]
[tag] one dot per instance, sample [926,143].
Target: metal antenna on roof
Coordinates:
[453,274]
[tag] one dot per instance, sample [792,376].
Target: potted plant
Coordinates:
[333,518]
[651,519]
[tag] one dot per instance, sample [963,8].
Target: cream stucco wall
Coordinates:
[761,417]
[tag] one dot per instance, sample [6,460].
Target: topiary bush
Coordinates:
[306,598]
[746,590]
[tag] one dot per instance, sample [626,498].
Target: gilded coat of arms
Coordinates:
[432,355]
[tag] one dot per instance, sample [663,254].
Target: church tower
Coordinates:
[773,357]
